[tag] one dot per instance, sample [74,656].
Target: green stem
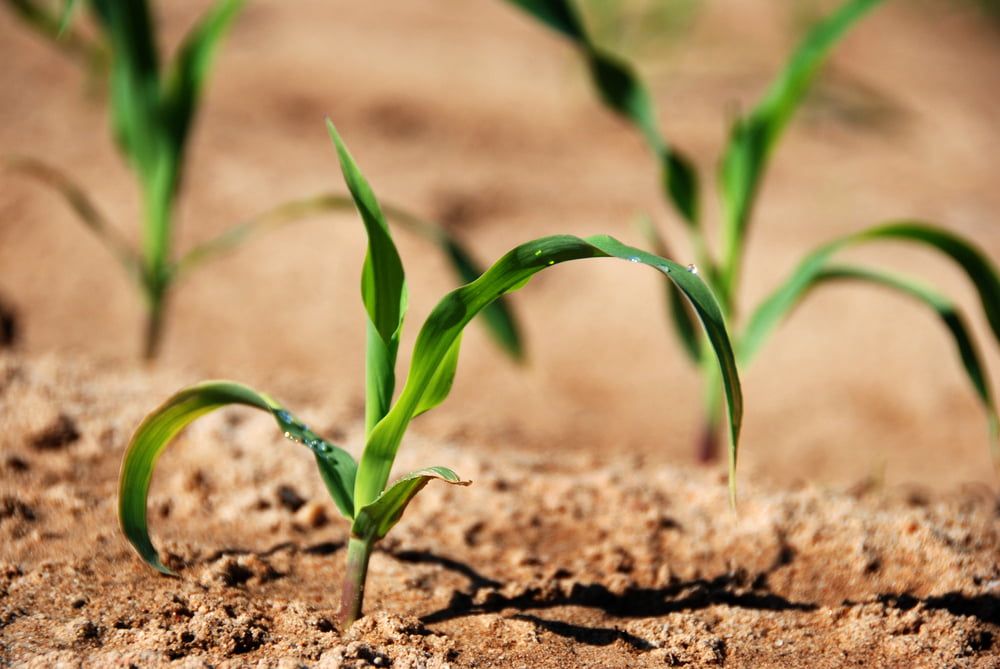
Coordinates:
[353,592]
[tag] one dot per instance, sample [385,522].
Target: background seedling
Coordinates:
[359,489]
[752,141]
[152,111]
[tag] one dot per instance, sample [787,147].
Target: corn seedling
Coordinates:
[752,141]
[152,112]
[359,489]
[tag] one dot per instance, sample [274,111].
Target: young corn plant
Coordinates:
[152,111]
[752,141]
[359,489]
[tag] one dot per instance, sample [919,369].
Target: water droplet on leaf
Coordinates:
[693,268]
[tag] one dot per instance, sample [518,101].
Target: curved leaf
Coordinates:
[753,138]
[512,271]
[161,426]
[953,321]
[82,206]
[373,521]
[681,314]
[970,259]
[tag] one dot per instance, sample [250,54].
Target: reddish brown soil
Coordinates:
[869,527]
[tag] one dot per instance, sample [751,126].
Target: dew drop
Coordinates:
[538,252]
[633,259]
[692,268]
[284,417]
[552,262]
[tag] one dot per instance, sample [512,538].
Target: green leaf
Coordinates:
[161,426]
[621,90]
[453,313]
[82,206]
[383,289]
[440,384]
[816,268]
[374,520]
[949,314]
[58,28]
[682,316]
[753,138]
[498,317]
[559,15]
[971,260]
[186,77]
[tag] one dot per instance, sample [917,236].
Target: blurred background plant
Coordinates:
[752,140]
[153,108]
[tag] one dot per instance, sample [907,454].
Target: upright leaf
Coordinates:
[753,138]
[383,290]
[161,426]
[186,77]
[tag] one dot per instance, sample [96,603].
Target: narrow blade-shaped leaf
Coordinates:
[969,259]
[753,138]
[383,289]
[681,315]
[161,426]
[186,78]
[440,384]
[621,89]
[512,271]
[82,206]
[374,520]
[952,319]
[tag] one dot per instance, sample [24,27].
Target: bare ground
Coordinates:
[869,526]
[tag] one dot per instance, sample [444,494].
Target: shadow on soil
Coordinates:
[736,590]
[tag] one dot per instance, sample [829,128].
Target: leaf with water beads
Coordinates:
[160,428]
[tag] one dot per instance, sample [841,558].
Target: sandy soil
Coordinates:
[869,526]
[538,564]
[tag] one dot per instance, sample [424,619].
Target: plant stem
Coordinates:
[353,592]
[156,305]
[708,442]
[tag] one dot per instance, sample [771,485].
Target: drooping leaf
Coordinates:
[186,77]
[82,206]
[513,270]
[754,137]
[498,317]
[621,89]
[383,289]
[681,315]
[373,521]
[969,259]
[952,319]
[161,426]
